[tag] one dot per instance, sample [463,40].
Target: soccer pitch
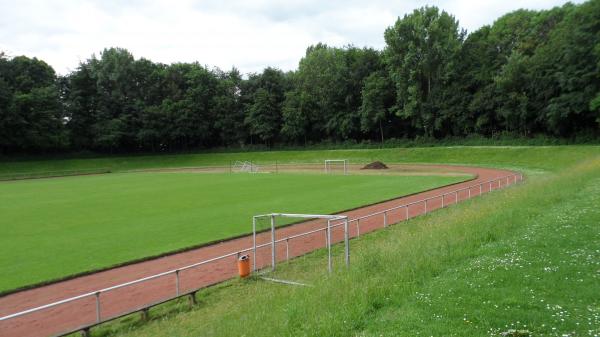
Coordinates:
[53,228]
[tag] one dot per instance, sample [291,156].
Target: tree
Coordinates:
[228,108]
[31,113]
[377,100]
[327,96]
[421,49]
[513,111]
[565,71]
[264,111]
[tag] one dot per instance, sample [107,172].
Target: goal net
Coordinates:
[274,243]
[336,166]
[245,166]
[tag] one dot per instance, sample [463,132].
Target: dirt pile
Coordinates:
[376,165]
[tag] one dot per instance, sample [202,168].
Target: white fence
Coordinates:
[175,275]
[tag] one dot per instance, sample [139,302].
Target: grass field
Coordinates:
[57,227]
[541,158]
[523,258]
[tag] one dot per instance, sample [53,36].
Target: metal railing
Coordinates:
[452,196]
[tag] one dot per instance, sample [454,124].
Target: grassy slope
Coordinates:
[524,258]
[546,157]
[86,223]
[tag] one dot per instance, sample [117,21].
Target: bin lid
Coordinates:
[244,257]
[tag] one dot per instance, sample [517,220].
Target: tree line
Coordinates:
[528,73]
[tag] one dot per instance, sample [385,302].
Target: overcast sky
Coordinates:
[249,35]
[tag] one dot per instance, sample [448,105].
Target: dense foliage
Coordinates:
[529,73]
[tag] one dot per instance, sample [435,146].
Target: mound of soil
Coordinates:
[376,165]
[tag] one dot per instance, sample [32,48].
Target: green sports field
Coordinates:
[524,258]
[57,227]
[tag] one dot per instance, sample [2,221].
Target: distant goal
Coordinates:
[245,166]
[336,165]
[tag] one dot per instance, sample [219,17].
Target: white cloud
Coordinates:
[250,35]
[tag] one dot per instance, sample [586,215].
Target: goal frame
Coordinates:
[329,218]
[329,161]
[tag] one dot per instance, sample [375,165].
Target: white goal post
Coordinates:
[328,163]
[340,219]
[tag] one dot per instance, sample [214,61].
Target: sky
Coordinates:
[249,35]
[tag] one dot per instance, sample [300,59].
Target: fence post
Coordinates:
[469,193]
[456,197]
[425,206]
[177,282]
[406,212]
[481,189]
[347,242]
[98,307]
[192,299]
[357,228]
[384,219]
[443,195]
[287,248]
[253,244]
[273,241]
[329,246]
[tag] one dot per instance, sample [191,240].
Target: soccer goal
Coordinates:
[279,242]
[245,166]
[333,165]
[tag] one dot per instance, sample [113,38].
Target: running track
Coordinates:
[76,314]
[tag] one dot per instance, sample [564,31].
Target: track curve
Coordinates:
[80,313]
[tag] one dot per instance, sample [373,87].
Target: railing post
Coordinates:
[273,242]
[287,249]
[192,299]
[98,315]
[384,219]
[177,282]
[329,267]
[347,242]
[253,244]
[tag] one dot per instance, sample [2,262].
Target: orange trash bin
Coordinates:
[244,265]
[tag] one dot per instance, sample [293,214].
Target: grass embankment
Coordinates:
[92,222]
[523,258]
[544,157]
